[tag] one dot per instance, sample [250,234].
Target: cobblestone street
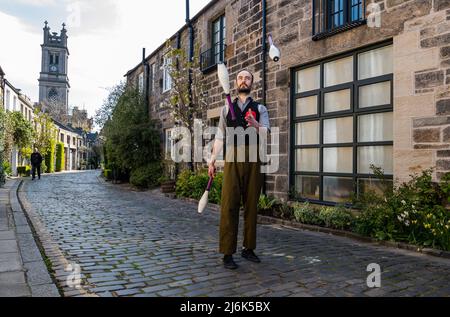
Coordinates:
[143,244]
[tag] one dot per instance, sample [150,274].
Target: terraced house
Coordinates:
[359,82]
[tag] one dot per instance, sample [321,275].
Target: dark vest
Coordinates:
[240,118]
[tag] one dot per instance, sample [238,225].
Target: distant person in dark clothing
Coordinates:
[36,161]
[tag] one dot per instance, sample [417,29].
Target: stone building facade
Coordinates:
[360,82]
[73,147]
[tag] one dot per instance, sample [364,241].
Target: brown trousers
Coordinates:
[241,181]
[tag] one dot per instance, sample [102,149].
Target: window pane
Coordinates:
[338,160]
[356,10]
[375,95]
[338,130]
[308,186]
[337,189]
[337,13]
[308,79]
[217,26]
[307,160]
[371,184]
[337,100]
[380,156]
[374,63]
[307,133]
[376,127]
[339,72]
[306,106]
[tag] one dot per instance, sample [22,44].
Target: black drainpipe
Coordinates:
[191,46]
[191,32]
[191,58]
[146,83]
[264,73]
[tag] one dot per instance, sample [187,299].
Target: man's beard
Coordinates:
[244,90]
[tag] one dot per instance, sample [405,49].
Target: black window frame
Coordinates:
[321,116]
[218,47]
[208,58]
[324,13]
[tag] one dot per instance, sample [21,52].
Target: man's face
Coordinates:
[244,82]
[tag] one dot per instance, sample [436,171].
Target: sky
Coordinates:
[106,38]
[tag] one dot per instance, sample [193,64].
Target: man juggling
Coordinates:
[241,124]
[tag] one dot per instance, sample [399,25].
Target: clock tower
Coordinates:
[53,81]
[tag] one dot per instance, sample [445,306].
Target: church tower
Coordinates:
[53,81]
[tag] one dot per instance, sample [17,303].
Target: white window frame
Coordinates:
[8,99]
[169,146]
[141,83]
[167,79]
[153,70]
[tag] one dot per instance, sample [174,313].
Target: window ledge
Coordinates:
[331,32]
[209,69]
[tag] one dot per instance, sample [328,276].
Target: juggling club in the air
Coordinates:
[224,79]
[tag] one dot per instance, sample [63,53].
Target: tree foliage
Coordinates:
[132,137]
[106,110]
[60,159]
[188,93]
[44,133]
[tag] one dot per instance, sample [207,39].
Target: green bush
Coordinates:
[7,168]
[60,157]
[193,185]
[306,214]
[147,176]
[50,157]
[266,205]
[43,168]
[132,137]
[215,195]
[107,173]
[413,212]
[24,171]
[336,218]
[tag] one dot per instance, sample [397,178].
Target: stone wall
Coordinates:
[422,91]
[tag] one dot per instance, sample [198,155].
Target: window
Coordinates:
[14,103]
[332,16]
[62,137]
[342,124]
[68,139]
[336,14]
[169,144]
[219,39]
[141,83]
[53,95]
[153,76]
[216,53]
[54,59]
[167,79]
[8,101]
